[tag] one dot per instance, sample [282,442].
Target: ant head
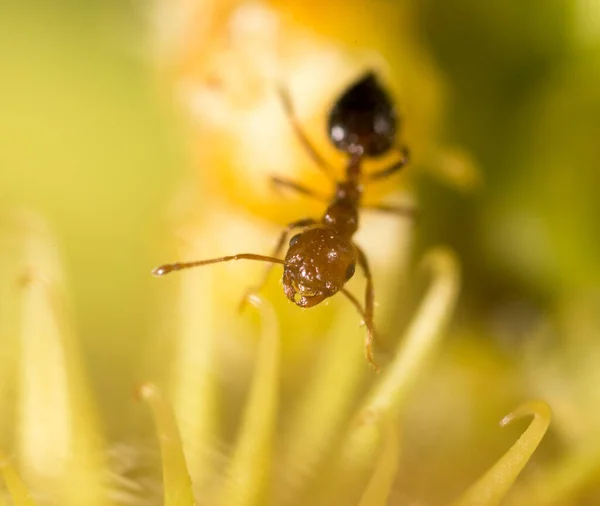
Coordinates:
[318,264]
[363,120]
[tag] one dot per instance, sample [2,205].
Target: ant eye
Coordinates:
[294,239]
[350,271]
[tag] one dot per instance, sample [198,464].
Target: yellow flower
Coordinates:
[276,409]
[322,459]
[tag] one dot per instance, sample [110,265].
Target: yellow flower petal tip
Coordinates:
[176,478]
[493,486]
[539,409]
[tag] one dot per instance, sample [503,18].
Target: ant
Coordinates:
[322,258]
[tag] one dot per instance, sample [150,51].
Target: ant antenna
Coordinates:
[395,167]
[168,268]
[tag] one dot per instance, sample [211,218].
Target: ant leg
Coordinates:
[355,303]
[395,167]
[369,306]
[404,211]
[314,154]
[292,185]
[276,252]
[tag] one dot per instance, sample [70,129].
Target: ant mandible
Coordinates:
[322,258]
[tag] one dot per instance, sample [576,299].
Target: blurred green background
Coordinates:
[90,142]
[524,101]
[89,139]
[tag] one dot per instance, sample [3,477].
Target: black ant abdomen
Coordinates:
[363,119]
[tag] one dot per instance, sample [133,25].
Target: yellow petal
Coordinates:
[249,473]
[325,404]
[387,398]
[491,488]
[383,478]
[193,390]
[422,339]
[16,488]
[176,479]
[54,398]
[423,336]
[558,483]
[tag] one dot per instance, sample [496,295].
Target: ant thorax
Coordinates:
[342,217]
[342,213]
